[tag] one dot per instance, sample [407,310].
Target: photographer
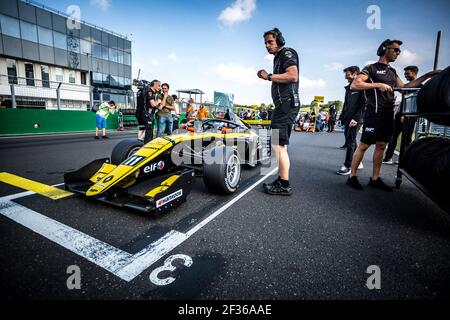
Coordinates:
[189,121]
[101,115]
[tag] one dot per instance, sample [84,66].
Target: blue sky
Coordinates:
[217,45]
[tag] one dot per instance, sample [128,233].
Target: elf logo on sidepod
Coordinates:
[169,198]
[154,166]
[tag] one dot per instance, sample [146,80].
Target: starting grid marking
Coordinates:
[120,263]
[37,187]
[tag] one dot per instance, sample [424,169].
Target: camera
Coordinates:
[140,83]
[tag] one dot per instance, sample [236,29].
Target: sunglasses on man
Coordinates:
[396,50]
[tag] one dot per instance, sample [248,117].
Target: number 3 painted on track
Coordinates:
[187,261]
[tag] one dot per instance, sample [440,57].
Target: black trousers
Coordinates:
[331,124]
[351,144]
[345,134]
[398,128]
[148,118]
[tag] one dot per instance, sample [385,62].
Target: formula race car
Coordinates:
[158,176]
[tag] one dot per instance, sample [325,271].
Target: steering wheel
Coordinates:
[226,123]
[207,125]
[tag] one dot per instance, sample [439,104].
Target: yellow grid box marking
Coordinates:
[30,185]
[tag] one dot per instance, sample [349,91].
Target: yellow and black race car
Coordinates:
[158,176]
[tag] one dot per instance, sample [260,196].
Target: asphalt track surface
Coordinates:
[316,244]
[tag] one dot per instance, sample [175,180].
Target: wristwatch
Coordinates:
[269,77]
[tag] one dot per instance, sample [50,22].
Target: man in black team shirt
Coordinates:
[285,97]
[378,81]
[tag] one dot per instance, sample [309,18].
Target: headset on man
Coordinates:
[278,36]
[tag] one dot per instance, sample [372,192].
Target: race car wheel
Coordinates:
[124,149]
[222,170]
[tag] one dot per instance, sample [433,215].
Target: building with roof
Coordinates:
[48,60]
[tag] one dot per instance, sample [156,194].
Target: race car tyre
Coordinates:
[420,165]
[440,170]
[413,150]
[434,96]
[124,149]
[221,170]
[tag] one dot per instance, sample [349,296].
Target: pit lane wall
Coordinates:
[23,121]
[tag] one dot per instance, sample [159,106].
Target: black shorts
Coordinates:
[378,127]
[140,117]
[283,119]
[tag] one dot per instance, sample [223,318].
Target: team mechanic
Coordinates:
[286,100]
[378,81]
[153,103]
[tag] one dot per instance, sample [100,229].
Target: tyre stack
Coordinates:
[129,118]
[434,97]
[427,160]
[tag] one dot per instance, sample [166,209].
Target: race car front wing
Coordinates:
[156,195]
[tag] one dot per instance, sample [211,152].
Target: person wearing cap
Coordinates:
[101,115]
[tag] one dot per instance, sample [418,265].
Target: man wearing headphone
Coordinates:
[154,103]
[378,81]
[285,97]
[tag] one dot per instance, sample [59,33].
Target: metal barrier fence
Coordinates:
[38,93]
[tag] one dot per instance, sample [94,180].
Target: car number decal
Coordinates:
[132,161]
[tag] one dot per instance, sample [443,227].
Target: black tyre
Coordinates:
[412,151]
[435,94]
[221,169]
[440,170]
[124,149]
[421,166]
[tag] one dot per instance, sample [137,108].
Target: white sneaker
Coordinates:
[343,171]
[360,166]
[388,161]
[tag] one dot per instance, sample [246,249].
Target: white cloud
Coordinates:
[333,66]
[240,10]
[408,58]
[306,83]
[173,56]
[370,62]
[269,58]
[101,4]
[237,73]
[248,88]
[155,63]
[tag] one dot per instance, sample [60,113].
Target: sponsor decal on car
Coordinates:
[169,198]
[132,161]
[154,166]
